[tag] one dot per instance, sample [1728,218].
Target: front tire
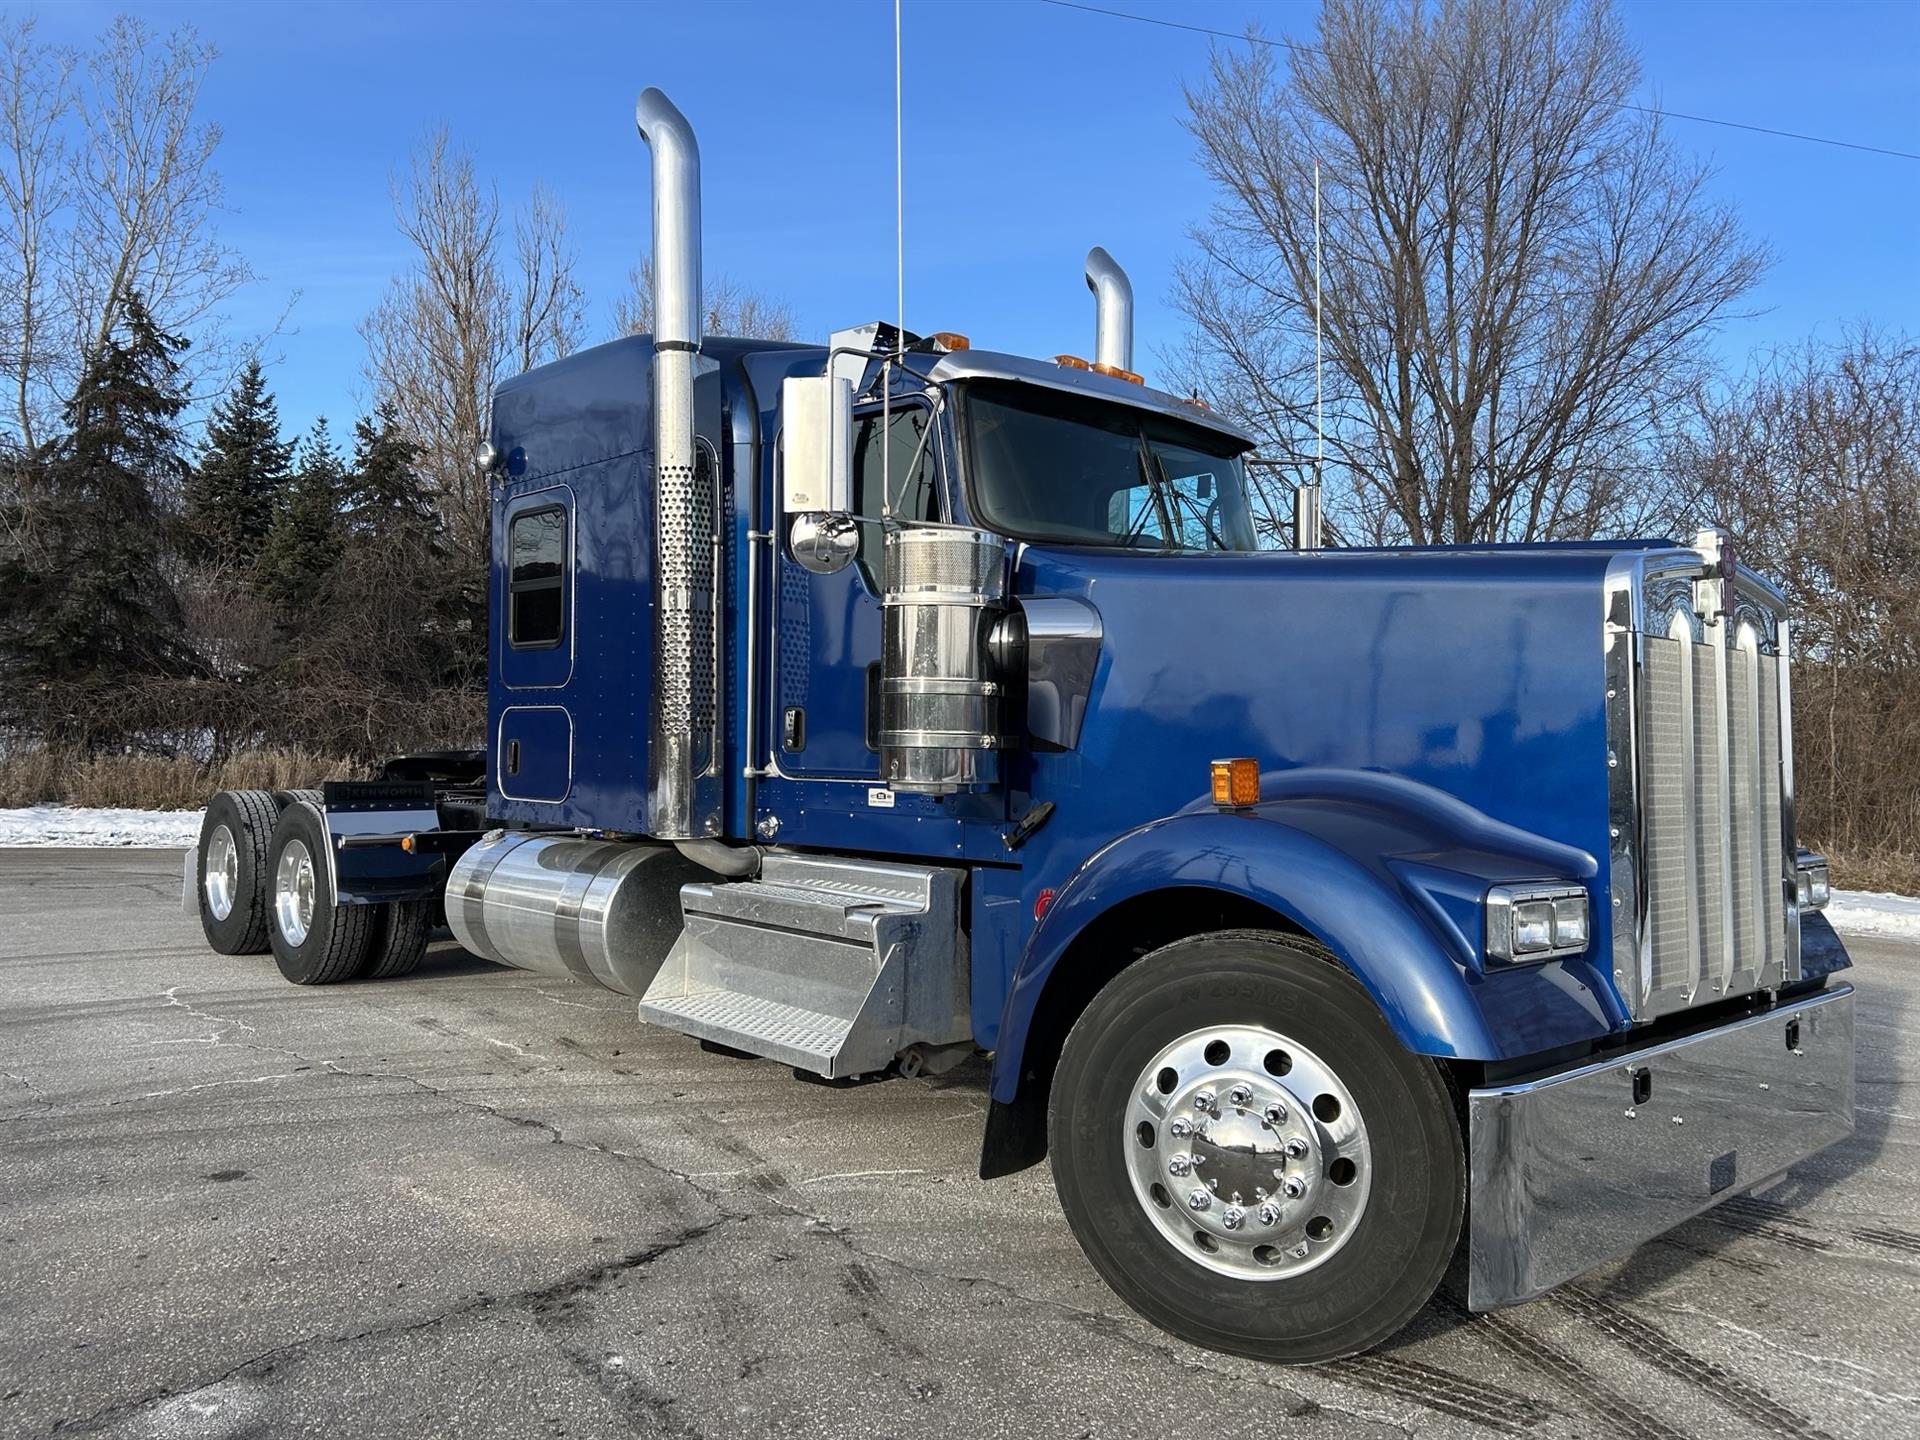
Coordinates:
[1249,1157]
[316,941]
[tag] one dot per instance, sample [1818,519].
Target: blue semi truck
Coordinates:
[1333,917]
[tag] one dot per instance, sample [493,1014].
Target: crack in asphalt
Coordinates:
[768,1196]
[538,1301]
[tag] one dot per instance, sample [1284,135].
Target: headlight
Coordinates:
[1815,886]
[1535,922]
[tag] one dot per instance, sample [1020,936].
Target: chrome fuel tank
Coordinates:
[600,910]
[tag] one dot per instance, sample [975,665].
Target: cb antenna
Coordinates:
[899,286]
[1319,359]
[1306,498]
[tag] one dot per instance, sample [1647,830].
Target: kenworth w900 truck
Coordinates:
[1330,914]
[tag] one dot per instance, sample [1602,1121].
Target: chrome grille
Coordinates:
[1704,915]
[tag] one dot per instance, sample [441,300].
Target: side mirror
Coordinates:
[816,428]
[824,543]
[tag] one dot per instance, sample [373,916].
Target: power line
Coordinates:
[1300,49]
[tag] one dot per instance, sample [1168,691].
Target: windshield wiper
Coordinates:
[1192,505]
[1149,468]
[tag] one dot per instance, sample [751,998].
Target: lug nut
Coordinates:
[1179,1165]
[1270,1213]
[1199,1199]
[1275,1113]
[1203,1100]
[1294,1187]
[1182,1126]
[1240,1095]
[1296,1148]
[1234,1218]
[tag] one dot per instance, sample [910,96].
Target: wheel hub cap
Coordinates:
[293,889]
[222,879]
[1247,1152]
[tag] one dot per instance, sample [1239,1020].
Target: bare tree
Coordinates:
[1519,273]
[550,319]
[439,337]
[460,318]
[109,190]
[1812,463]
[731,308]
[35,105]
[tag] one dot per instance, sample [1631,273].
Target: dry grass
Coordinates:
[153,782]
[1889,870]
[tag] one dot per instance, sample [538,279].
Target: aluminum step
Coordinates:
[830,964]
[787,1033]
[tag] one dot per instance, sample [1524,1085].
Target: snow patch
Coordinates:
[72,825]
[1872,912]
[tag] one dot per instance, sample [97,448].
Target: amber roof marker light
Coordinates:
[1236,783]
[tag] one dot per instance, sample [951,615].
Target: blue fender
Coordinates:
[1389,874]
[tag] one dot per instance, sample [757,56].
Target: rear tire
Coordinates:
[1338,1180]
[232,873]
[400,939]
[316,941]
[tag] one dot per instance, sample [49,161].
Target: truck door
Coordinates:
[826,660]
[533,751]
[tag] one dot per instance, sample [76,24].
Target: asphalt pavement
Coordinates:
[480,1202]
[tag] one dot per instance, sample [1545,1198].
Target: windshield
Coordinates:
[1043,465]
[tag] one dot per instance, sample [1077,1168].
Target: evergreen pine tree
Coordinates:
[303,545]
[83,595]
[385,497]
[231,494]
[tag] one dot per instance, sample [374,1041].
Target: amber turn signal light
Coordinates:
[950,340]
[1115,372]
[1236,783]
[1072,362]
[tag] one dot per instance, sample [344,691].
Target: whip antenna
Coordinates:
[1306,493]
[1319,395]
[899,286]
[899,194]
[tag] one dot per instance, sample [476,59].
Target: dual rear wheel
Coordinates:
[265,884]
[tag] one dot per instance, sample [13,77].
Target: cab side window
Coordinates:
[891,450]
[536,578]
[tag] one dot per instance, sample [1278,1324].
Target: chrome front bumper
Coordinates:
[1572,1170]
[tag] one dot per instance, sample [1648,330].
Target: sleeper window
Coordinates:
[536,578]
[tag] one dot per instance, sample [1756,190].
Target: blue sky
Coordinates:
[1032,133]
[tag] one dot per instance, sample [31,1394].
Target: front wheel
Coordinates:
[1249,1157]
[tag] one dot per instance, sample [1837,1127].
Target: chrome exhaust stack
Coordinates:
[1112,310]
[685,702]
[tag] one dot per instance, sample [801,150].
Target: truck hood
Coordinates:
[1475,671]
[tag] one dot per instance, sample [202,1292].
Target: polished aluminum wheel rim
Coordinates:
[222,879]
[293,892]
[1247,1152]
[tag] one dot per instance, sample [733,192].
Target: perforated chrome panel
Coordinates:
[1708,917]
